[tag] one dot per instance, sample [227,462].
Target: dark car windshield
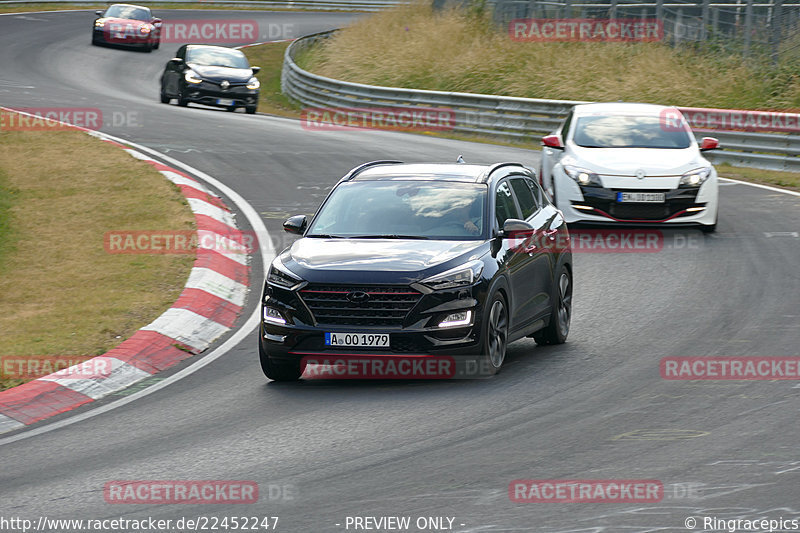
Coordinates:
[403,209]
[628,131]
[129,12]
[215,56]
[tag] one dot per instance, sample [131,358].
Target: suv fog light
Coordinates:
[273,315]
[461,318]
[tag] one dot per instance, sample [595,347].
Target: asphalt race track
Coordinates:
[323,450]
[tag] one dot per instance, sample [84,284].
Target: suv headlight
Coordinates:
[695,178]
[192,77]
[253,83]
[281,276]
[584,177]
[99,23]
[145,28]
[461,276]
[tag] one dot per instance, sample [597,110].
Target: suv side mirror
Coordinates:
[296,224]
[176,61]
[99,12]
[553,141]
[255,70]
[708,143]
[513,225]
[156,22]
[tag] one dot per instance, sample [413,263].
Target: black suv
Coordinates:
[419,260]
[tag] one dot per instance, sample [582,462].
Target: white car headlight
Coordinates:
[695,178]
[584,177]
[460,276]
[253,83]
[192,77]
[99,23]
[145,28]
[281,276]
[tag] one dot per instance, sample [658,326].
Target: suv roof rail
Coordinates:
[491,170]
[360,168]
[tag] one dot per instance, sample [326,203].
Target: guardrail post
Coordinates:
[660,10]
[704,28]
[777,29]
[748,26]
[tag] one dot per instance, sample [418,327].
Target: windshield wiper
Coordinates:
[389,236]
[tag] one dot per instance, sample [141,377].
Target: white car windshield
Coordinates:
[628,131]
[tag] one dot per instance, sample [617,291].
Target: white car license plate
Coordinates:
[224,101]
[641,197]
[357,340]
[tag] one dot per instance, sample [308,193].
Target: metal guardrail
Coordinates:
[509,118]
[322,5]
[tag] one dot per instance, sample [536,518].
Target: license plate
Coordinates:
[357,340]
[641,197]
[224,101]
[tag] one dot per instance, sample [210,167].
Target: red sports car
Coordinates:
[127,25]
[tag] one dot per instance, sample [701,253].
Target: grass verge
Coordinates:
[62,293]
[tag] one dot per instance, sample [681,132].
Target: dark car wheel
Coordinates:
[164,98]
[495,333]
[158,43]
[250,110]
[280,370]
[183,102]
[557,330]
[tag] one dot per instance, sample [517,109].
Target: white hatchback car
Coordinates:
[630,163]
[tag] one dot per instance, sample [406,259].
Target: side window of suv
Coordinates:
[504,204]
[527,201]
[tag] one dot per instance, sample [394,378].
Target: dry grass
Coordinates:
[456,51]
[61,293]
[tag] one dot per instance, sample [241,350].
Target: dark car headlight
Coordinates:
[192,77]
[253,84]
[281,276]
[460,276]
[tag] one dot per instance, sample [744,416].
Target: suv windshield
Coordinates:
[403,209]
[627,131]
[218,57]
[128,12]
